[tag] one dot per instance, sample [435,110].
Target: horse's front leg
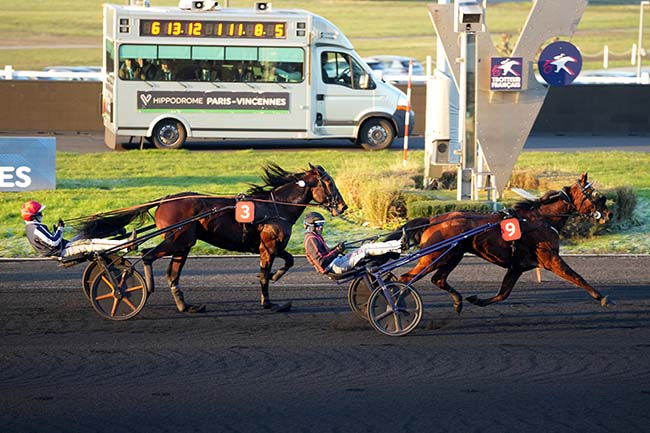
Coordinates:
[288,263]
[507,284]
[554,263]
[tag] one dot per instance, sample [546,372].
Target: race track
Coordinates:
[549,359]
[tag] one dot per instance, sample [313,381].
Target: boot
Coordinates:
[181,306]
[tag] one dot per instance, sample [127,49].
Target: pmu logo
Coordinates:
[506,73]
[560,63]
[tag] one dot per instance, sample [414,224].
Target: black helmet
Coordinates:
[313,219]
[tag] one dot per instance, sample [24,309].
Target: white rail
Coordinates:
[9,73]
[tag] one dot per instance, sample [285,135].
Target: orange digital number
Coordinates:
[155,28]
[259,30]
[279,30]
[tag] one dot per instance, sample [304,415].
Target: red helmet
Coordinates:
[30,208]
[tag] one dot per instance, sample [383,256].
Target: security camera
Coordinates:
[469,16]
[263,6]
[198,5]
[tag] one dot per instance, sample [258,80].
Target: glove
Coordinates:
[340,247]
[60,223]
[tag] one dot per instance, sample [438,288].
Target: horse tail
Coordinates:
[112,223]
[413,230]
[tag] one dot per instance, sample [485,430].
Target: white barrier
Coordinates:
[8,73]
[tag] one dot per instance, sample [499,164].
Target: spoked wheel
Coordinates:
[120,295]
[359,293]
[92,270]
[405,318]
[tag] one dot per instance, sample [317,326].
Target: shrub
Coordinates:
[427,208]
[379,196]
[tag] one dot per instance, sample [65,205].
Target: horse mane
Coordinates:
[273,177]
[549,197]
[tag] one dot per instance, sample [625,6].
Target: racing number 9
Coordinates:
[245,212]
[510,230]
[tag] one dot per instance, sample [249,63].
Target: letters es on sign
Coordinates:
[510,230]
[245,212]
[27,164]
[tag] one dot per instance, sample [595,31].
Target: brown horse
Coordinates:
[277,206]
[540,223]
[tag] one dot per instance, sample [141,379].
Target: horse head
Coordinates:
[324,189]
[587,201]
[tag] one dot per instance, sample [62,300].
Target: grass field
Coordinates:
[93,183]
[70,30]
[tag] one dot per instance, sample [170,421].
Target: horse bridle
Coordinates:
[332,195]
[587,194]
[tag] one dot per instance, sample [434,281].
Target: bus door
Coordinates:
[344,90]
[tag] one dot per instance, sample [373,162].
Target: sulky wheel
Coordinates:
[92,270]
[359,292]
[406,316]
[120,295]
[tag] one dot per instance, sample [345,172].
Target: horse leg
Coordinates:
[288,263]
[559,267]
[507,284]
[266,262]
[445,268]
[173,276]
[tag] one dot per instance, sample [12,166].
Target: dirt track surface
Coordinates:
[549,359]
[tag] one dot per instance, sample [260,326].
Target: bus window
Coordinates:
[341,69]
[211,63]
[109,56]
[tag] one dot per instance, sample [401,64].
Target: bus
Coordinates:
[203,71]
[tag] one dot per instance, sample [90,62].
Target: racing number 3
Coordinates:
[245,212]
[510,230]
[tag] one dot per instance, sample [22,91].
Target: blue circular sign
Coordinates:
[560,63]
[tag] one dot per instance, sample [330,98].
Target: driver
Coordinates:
[326,260]
[52,244]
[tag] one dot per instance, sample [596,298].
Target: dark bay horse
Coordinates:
[277,206]
[540,222]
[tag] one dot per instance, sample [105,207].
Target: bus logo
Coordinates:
[145,99]
[210,101]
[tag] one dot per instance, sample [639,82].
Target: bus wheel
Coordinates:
[169,134]
[376,134]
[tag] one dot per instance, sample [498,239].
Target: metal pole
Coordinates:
[640,44]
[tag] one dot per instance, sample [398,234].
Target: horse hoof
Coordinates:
[458,307]
[605,302]
[193,309]
[277,308]
[472,299]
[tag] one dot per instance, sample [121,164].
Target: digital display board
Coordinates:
[213,29]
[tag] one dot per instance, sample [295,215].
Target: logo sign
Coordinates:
[27,163]
[214,101]
[510,230]
[560,63]
[244,211]
[506,73]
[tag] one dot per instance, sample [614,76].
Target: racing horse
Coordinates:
[278,204]
[540,222]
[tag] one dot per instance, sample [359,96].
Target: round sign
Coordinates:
[560,63]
